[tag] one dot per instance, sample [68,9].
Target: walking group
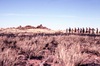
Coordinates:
[83,30]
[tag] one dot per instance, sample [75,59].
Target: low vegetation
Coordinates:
[24,49]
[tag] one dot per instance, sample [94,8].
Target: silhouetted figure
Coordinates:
[78,30]
[83,30]
[86,30]
[72,30]
[69,30]
[66,30]
[89,30]
[75,30]
[93,30]
[97,31]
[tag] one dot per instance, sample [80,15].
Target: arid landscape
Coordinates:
[41,46]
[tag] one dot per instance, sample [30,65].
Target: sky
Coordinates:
[54,14]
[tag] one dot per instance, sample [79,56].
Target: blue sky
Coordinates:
[55,14]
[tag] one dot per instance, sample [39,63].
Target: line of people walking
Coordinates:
[83,30]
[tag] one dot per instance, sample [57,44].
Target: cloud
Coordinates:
[14,14]
[36,15]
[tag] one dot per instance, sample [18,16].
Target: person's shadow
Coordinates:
[90,64]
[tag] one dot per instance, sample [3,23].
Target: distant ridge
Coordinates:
[32,27]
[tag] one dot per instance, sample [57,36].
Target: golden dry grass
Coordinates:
[57,50]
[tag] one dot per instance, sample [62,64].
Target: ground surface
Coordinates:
[25,48]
